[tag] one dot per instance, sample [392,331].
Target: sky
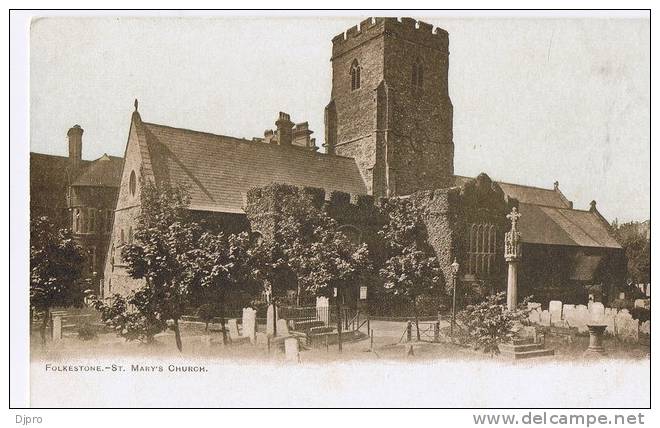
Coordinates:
[536,100]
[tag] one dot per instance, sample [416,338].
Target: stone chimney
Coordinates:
[284,129]
[269,137]
[75,146]
[301,135]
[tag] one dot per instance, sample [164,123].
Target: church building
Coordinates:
[388,133]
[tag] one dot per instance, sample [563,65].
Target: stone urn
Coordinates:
[596,332]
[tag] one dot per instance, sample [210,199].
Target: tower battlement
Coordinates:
[406,28]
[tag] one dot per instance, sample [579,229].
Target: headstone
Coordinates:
[535,316]
[57,328]
[282,327]
[610,314]
[645,327]
[597,312]
[291,350]
[555,312]
[323,309]
[250,324]
[642,303]
[270,316]
[207,341]
[582,317]
[545,318]
[233,329]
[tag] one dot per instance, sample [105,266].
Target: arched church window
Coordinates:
[130,234]
[482,249]
[76,220]
[418,73]
[355,75]
[121,237]
[132,183]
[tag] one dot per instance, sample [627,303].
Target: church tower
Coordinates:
[390,106]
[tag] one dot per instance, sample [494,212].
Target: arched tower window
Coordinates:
[355,75]
[130,234]
[418,73]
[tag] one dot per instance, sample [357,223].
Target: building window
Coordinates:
[112,258]
[418,73]
[130,234]
[482,250]
[108,220]
[121,237]
[355,75]
[132,183]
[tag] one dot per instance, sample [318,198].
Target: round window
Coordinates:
[132,184]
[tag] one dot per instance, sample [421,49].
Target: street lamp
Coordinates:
[454,272]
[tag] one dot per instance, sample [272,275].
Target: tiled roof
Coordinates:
[219,170]
[103,172]
[563,226]
[548,218]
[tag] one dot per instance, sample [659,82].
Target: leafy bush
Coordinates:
[86,332]
[138,323]
[489,323]
[641,314]
[619,304]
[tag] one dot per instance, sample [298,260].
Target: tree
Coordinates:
[633,237]
[55,265]
[331,262]
[164,237]
[411,270]
[219,263]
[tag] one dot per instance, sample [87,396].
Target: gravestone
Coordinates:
[535,316]
[582,317]
[642,303]
[233,329]
[608,320]
[545,318]
[645,327]
[597,312]
[270,315]
[250,324]
[291,349]
[207,341]
[323,309]
[282,327]
[555,312]
[57,328]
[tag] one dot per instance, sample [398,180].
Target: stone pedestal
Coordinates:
[270,320]
[596,339]
[512,286]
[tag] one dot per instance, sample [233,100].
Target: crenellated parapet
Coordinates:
[405,28]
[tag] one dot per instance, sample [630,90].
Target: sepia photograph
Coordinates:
[319,209]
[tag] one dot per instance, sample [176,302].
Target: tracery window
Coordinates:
[355,75]
[482,249]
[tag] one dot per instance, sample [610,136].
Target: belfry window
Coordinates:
[355,75]
[418,74]
[482,250]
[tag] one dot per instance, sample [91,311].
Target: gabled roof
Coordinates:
[102,172]
[219,170]
[564,226]
[549,219]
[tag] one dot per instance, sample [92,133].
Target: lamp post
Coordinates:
[454,272]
